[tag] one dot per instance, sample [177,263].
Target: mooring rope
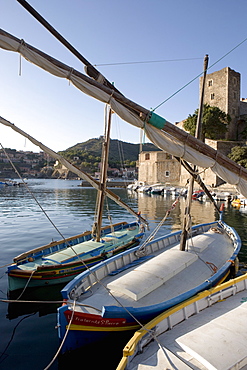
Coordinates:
[64,338]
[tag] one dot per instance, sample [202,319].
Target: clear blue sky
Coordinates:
[114,31]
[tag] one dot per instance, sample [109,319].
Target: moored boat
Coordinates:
[58,262]
[132,288]
[204,332]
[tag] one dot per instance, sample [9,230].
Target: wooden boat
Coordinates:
[205,332]
[132,288]
[128,290]
[59,262]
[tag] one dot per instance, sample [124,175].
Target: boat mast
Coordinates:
[198,135]
[89,68]
[103,176]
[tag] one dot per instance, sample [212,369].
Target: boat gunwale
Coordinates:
[133,344]
[79,279]
[61,266]
[21,258]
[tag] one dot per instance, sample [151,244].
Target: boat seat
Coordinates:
[149,276]
[203,241]
[116,235]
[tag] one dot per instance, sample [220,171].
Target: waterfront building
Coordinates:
[222,89]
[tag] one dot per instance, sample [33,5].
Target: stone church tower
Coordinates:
[222,89]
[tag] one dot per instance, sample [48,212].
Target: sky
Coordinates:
[153,51]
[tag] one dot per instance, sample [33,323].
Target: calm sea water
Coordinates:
[28,332]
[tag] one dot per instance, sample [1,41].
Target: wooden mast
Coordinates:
[142,112]
[103,176]
[89,68]
[198,135]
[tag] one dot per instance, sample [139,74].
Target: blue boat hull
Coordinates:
[86,328]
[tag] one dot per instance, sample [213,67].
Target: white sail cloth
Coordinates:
[159,137]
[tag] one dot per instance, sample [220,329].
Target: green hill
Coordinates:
[119,152]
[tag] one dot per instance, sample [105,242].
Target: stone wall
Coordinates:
[222,89]
[158,167]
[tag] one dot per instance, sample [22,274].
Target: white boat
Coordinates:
[207,331]
[144,189]
[60,261]
[223,196]
[137,285]
[145,281]
[157,189]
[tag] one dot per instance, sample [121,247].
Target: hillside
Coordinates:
[119,152]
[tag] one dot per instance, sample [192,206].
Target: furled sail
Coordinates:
[72,168]
[162,133]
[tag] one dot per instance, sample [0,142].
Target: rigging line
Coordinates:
[30,192]
[154,232]
[49,302]
[64,338]
[145,62]
[200,74]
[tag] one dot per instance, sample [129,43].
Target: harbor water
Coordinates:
[28,331]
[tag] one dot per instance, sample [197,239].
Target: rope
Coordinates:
[154,232]
[200,74]
[25,287]
[145,61]
[30,192]
[64,338]
[49,302]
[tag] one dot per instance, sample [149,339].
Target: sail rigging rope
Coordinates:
[200,74]
[30,192]
[36,200]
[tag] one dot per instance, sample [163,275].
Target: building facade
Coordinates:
[222,89]
[158,167]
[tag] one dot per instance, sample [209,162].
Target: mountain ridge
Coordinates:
[118,150]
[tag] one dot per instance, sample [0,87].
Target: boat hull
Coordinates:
[83,328]
[20,277]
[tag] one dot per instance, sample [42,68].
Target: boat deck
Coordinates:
[215,338]
[85,249]
[145,284]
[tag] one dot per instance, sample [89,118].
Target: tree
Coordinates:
[214,123]
[239,155]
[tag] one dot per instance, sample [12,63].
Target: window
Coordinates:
[234,95]
[210,83]
[167,173]
[212,96]
[147,156]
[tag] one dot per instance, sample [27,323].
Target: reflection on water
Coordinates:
[71,207]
